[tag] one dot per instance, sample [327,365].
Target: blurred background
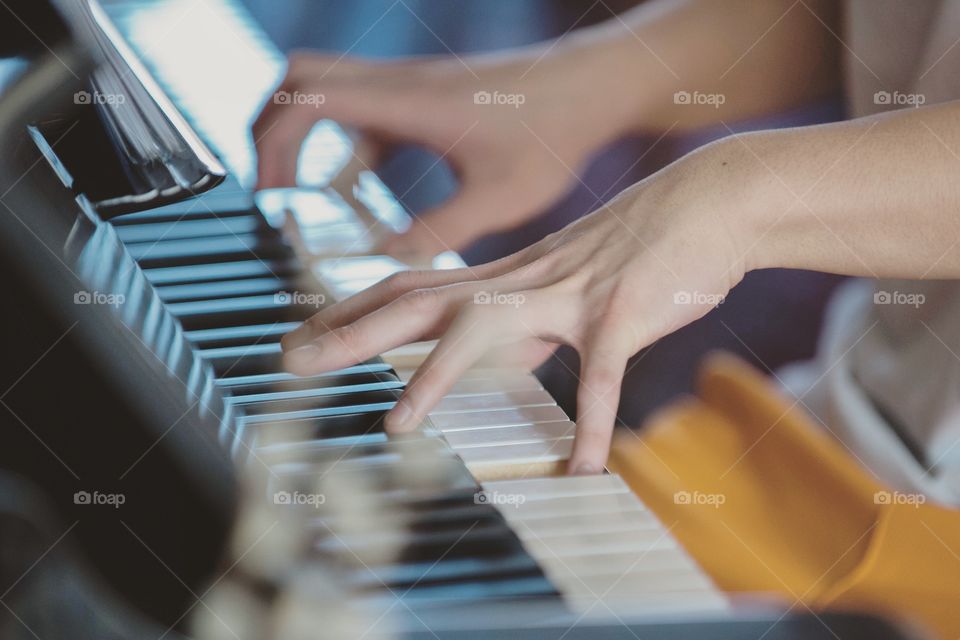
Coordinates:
[772,318]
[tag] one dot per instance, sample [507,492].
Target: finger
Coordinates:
[475,331]
[459,348]
[278,138]
[414,316]
[388,290]
[369,301]
[604,359]
[526,355]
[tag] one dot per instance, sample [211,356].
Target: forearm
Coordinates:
[759,56]
[875,197]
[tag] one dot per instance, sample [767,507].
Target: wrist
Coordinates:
[728,196]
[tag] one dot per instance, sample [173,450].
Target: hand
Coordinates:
[658,257]
[514,156]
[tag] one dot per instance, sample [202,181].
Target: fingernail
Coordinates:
[303,356]
[585,469]
[399,416]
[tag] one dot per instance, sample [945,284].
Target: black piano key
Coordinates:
[248,360]
[190,228]
[451,499]
[471,540]
[323,388]
[483,572]
[195,292]
[221,337]
[360,406]
[377,393]
[403,576]
[154,255]
[237,312]
[309,457]
[339,427]
[510,587]
[186,211]
[262,382]
[219,271]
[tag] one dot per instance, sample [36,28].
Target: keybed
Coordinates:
[410,509]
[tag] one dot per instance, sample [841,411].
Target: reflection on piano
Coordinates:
[210,492]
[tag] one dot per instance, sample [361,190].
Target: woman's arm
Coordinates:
[685,64]
[517,125]
[874,197]
[877,196]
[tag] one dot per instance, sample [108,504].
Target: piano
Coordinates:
[173,479]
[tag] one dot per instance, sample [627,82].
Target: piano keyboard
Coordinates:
[222,269]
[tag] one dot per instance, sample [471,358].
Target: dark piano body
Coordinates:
[140,331]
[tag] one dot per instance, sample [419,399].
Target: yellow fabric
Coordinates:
[767,501]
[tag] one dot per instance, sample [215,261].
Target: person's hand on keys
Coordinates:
[660,256]
[515,127]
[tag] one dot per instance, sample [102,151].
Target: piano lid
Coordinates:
[125,144]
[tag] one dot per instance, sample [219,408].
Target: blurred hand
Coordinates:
[658,257]
[515,129]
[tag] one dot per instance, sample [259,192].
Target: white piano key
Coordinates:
[312,208]
[508,382]
[546,451]
[409,356]
[565,487]
[492,401]
[627,582]
[585,544]
[576,505]
[526,434]
[334,240]
[636,520]
[500,418]
[342,270]
[638,562]
[474,373]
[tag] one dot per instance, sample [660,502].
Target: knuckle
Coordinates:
[603,379]
[349,336]
[424,301]
[316,324]
[401,282]
[536,269]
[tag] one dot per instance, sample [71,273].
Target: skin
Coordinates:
[869,197]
